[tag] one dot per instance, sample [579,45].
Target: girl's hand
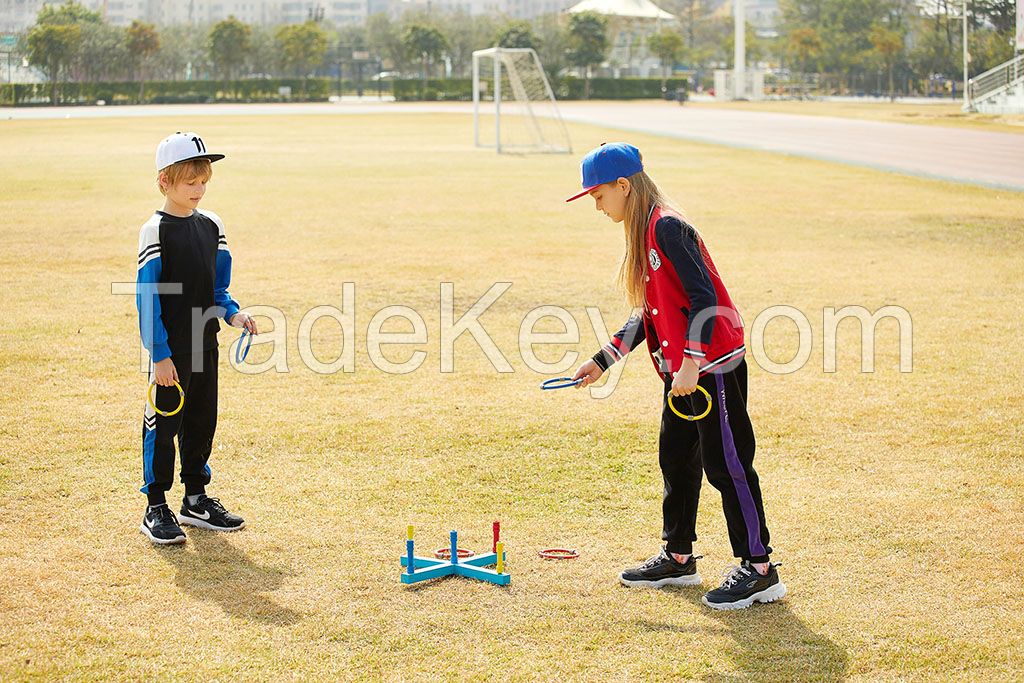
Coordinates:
[589,372]
[243,320]
[685,381]
[165,374]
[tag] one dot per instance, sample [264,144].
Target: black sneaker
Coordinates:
[160,525]
[208,513]
[743,586]
[662,570]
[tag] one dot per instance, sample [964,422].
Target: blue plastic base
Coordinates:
[426,568]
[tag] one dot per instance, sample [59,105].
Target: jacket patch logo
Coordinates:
[655,261]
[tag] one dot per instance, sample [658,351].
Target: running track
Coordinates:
[975,157]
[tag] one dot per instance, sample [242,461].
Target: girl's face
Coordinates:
[611,199]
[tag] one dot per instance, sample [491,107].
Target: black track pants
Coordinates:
[722,446]
[194,425]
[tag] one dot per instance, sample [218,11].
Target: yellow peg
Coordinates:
[408,532]
[500,550]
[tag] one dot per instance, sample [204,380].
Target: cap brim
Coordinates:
[210,157]
[585,192]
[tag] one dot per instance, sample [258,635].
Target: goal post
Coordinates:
[526,117]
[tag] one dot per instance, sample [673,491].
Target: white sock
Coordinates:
[677,556]
[192,500]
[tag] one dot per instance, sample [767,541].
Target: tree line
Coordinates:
[834,44]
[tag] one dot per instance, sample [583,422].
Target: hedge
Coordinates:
[166,92]
[568,88]
[316,89]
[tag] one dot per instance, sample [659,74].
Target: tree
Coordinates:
[303,47]
[68,14]
[427,43]
[517,34]
[888,46]
[668,47]
[101,54]
[588,43]
[52,47]
[551,32]
[97,51]
[804,48]
[183,54]
[143,42]
[228,45]
[384,39]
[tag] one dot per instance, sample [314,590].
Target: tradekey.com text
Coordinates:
[452,326]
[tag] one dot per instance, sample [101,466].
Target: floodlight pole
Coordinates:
[967,61]
[476,101]
[497,98]
[740,55]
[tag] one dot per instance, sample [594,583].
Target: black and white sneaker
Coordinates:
[160,525]
[208,513]
[743,586]
[662,570]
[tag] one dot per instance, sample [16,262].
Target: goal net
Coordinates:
[523,115]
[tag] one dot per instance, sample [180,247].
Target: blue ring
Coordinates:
[566,382]
[240,355]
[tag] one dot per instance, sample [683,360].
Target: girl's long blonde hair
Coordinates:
[643,195]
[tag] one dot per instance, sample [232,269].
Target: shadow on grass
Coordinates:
[219,572]
[773,643]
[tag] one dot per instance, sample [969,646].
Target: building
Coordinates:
[528,9]
[630,23]
[19,15]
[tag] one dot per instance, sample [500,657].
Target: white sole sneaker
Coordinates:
[689,580]
[161,541]
[200,524]
[770,594]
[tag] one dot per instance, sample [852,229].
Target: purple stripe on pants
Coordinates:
[739,478]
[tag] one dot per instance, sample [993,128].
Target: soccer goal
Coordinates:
[525,114]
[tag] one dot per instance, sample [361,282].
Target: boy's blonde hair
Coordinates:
[643,195]
[185,171]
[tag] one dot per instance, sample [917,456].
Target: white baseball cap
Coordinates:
[182,147]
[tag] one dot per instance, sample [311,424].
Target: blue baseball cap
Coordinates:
[608,163]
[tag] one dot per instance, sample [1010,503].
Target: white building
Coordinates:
[19,15]
[472,7]
[528,9]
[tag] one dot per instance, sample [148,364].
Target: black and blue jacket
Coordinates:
[189,258]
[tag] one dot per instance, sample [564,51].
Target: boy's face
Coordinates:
[610,198]
[187,193]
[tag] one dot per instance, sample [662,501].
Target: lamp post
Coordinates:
[740,54]
[967,61]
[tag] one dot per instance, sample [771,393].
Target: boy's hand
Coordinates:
[166,373]
[589,372]
[243,320]
[685,381]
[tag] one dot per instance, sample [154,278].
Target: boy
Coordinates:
[182,290]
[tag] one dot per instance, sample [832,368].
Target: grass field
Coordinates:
[894,499]
[929,114]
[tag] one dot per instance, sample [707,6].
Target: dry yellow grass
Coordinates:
[947,114]
[894,499]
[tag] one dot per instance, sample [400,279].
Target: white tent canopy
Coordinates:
[640,9]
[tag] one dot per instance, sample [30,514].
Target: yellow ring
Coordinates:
[693,418]
[181,403]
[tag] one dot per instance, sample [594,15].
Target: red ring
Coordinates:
[559,554]
[445,553]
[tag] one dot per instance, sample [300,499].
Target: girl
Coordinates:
[695,338]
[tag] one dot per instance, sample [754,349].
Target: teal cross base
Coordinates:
[477,567]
